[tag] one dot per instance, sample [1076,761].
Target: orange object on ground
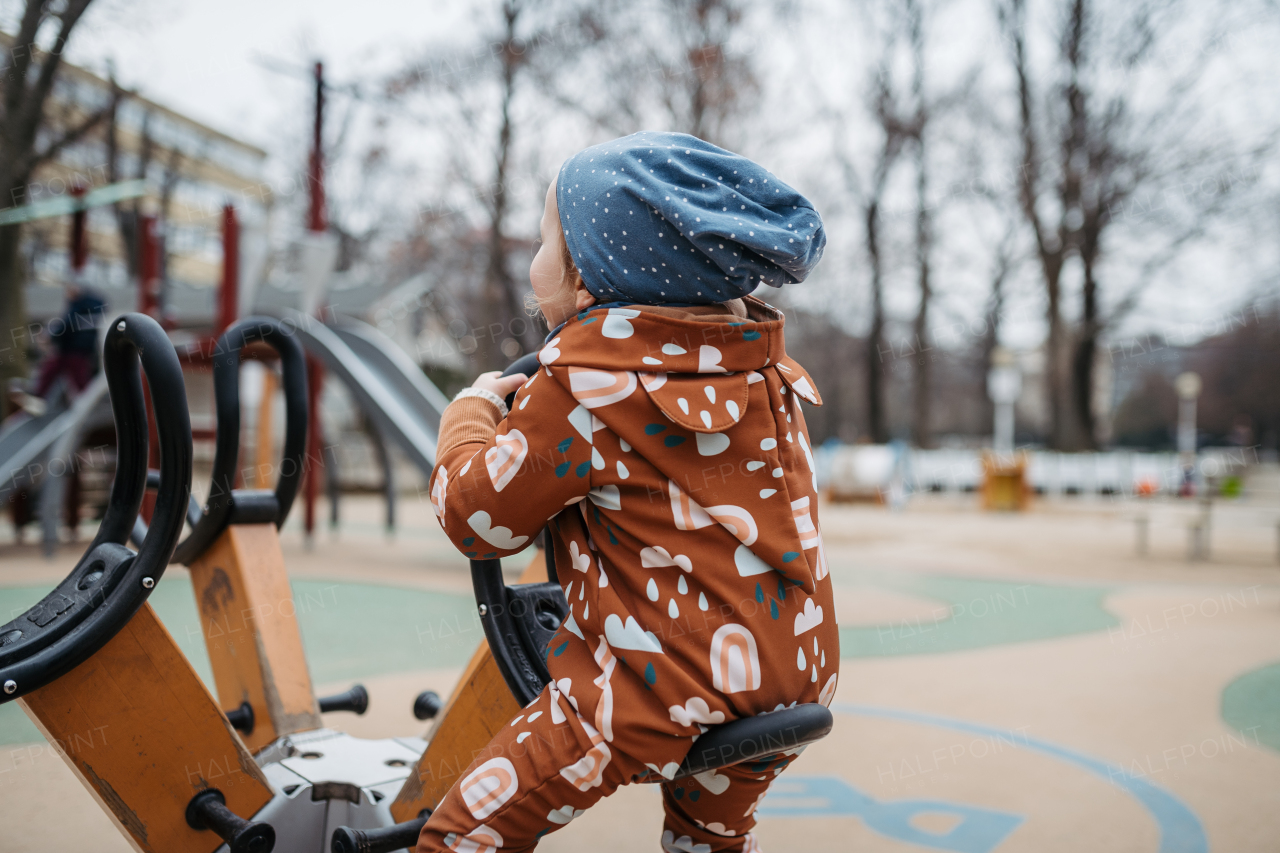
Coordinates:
[1004,483]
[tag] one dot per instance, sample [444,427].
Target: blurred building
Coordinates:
[190,170]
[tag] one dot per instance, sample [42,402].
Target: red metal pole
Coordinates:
[229,292]
[149,304]
[316,221]
[316,215]
[79,234]
[149,266]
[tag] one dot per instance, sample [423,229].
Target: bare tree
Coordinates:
[927,109]
[1004,264]
[484,91]
[1241,404]
[1088,151]
[895,137]
[921,431]
[667,60]
[702,83]
[128,213]
[895,125]
[674,62]
[29,139]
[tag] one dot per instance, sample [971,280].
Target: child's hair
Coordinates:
[571,278]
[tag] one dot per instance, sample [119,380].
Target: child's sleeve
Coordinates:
[497,482]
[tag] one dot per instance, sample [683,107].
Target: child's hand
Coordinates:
[497,383]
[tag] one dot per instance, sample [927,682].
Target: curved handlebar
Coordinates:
[519,620]
[110,582]
[227,505]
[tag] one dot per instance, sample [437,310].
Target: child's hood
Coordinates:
[699,369]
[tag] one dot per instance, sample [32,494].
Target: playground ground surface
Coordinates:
[1012,683]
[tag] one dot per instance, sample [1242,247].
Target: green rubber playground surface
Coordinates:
[357,630]
[974,614]
[349,631]
[1251,704]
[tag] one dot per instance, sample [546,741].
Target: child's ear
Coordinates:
[584,298]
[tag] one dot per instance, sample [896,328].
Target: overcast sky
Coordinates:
[201,57]
[205,58]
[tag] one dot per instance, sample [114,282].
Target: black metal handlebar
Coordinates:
[385,840]
[221,505]
[519,620]
[226,504]
[110,582]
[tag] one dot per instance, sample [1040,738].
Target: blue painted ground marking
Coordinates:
[1180,829]
[979,830]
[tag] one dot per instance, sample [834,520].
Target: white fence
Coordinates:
[872,470]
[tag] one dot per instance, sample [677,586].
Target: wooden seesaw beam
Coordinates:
[480,705]
[250,629]
[156,738]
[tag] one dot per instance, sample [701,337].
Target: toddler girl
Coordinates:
[663,440]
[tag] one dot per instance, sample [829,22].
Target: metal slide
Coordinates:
[25,443]
[29,447]
[22,443]
[388,386]
[390,361]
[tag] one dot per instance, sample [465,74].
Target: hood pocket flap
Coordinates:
[699,403]
[798,380]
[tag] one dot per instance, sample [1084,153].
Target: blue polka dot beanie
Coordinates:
[667,218]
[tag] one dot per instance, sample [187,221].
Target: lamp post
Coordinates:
[1188,386]
[1004,383]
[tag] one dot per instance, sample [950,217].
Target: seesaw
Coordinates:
[254,770]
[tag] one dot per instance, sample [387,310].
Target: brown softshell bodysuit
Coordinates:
[668,451]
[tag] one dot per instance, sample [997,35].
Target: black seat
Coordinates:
[754,738]
[519,622]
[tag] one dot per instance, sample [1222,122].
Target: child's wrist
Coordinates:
[484,394]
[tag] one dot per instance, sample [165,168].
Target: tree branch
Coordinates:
[30,116]
[73,135]
[20,54]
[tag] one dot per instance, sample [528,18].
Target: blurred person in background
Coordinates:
[74,337]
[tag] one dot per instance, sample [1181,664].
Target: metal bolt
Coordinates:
[148,582]
[11,686]
[484,608]
[120,326]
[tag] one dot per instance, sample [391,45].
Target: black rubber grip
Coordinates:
[110,583]
[385,840]
[208,810]
[355,700]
